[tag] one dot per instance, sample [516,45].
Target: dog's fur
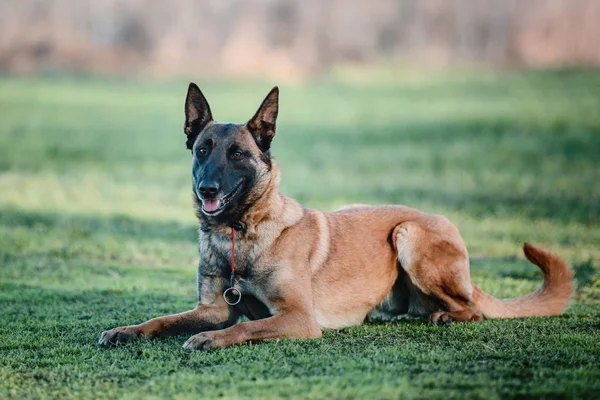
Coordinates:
[302,270]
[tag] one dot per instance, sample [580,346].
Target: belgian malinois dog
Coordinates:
[298,271]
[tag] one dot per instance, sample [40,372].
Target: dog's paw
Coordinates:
[441,318]
[122,334]
[201,341]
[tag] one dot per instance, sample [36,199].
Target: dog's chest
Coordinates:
[218,254]
[250,276]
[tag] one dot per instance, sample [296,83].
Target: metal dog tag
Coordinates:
[232,296]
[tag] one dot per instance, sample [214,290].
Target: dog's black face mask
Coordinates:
[229,160]
[223,169]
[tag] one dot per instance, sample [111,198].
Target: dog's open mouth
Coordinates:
[215,206]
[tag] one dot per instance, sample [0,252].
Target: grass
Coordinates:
[97,230]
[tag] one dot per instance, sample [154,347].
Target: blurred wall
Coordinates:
[292,37]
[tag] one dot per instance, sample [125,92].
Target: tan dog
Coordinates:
[300,271]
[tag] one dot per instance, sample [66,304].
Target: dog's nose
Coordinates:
[208,189]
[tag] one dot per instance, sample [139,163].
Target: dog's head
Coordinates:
[231,162]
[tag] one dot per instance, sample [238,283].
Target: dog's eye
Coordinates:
[202,151]
[237,155]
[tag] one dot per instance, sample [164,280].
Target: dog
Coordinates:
[297,271]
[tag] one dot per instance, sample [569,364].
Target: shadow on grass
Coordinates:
[505,267]
[518,268]
[482,138]
[88,225]
[22,302]
[585,272]
[561,208]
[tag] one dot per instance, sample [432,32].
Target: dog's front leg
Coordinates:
[203,317]
[294,316]
[291,325]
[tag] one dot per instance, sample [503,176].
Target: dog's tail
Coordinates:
[552,298]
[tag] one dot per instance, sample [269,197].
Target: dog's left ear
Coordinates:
[262,125]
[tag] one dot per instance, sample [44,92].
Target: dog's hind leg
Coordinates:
[433,255]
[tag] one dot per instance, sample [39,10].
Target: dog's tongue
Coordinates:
[210,205]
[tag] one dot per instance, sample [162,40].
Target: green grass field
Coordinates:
[97,230]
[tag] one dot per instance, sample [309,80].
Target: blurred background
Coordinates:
[291,38]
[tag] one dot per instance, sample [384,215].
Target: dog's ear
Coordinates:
[262,125]
[197,114]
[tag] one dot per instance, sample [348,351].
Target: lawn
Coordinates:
[97,230]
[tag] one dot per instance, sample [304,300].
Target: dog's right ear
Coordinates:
[197,114]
